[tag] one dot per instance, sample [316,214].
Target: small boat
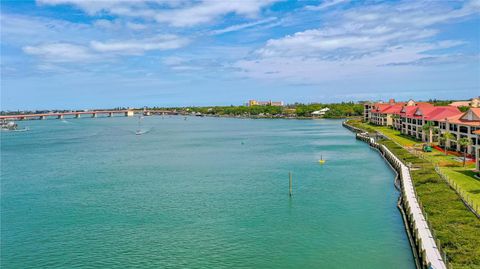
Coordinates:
[11,126]
[321,161]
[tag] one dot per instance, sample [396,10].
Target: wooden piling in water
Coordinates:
[290,191]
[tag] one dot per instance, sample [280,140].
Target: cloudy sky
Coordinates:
[87,54]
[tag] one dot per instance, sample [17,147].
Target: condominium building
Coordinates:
[264,103]
[381,113]
[410,118]
[414,118]
[367,107]
[460,126]
[474,102]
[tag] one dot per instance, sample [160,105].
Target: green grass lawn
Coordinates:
[464,180]
[396,136]
[462,176]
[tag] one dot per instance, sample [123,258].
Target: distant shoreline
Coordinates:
[269,117]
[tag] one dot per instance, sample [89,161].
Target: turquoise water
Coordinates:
[196,193]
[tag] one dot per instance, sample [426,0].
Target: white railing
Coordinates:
[429,251]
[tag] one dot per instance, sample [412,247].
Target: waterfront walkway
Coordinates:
[431,256]
[427,241]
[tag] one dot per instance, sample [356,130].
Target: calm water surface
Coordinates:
[200,193]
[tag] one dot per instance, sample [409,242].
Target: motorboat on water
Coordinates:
[11,126]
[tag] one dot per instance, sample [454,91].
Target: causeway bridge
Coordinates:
[61,115]
[92,114]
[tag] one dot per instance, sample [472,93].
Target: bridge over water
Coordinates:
[78,114]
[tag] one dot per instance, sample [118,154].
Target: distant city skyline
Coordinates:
[74,54]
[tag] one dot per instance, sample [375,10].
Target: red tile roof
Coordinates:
[379,107]
[476,111]
[393,109]
[442,112]
[459,119]
[409,111]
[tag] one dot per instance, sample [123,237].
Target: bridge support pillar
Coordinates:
[43,117]
[110,114]
[129,113]
[60,117]
[77,116]
[94,115]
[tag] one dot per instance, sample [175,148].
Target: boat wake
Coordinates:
[141,132]
[17,130]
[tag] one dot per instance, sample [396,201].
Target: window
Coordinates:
[463,129]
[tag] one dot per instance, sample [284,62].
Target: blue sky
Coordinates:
[92,54]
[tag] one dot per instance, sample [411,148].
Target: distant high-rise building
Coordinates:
[264,103]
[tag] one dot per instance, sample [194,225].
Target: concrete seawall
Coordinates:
[427,253]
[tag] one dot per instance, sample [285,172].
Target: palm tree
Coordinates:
[445,137]
[464,142]
[429,127]
[394,120]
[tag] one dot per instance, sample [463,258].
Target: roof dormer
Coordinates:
[470,115]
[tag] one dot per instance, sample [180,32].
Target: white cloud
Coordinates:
[98,51]
[61,52]
[161,42]
[178,13]
[21,30]
[416,14]
[373,40]
[351,41]
[181,64]
[108,24]
[207,11]
[120,7]
[368,29]
[326,4]
[136,26]
[242,26]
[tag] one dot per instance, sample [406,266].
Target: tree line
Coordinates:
[338,110]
